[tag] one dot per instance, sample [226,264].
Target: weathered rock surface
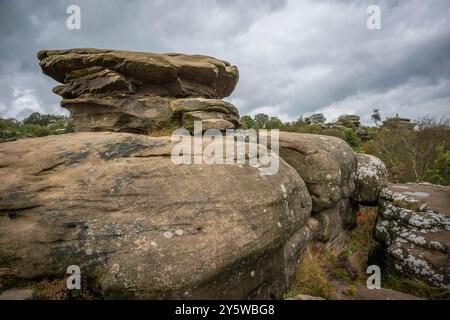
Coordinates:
[149,114]
[141,226]
[305,297]
[327,165]
[137,92]
[172,74]
[413,231]
[364,293]
[332,222]
[370,179]
[17,294]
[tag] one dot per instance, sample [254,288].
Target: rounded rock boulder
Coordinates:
[141,226]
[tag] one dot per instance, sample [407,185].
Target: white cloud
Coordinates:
[24,101]
[295,57]
[427,98]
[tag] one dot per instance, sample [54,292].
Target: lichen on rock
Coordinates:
[370,179]
[415,231]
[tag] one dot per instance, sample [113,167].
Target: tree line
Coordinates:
[413,151]
[35,125]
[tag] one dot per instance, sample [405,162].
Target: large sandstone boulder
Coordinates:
[369,180]
[137,92]
[327,165]
[413,232]
[140,226]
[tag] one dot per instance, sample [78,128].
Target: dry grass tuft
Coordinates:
[342,260]
[311,278]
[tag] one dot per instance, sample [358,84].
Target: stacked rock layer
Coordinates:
[136,92]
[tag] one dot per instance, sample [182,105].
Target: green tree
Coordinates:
[247,122]
[352,139]
[274,123]
[43,119]
[440,173]
[317,118]
[261,121]
[376,117]
[34,118]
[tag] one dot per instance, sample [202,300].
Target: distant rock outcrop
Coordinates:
[137,92]
[351,120]
[399,123]
[413,232]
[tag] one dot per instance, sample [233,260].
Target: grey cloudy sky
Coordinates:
[294,57]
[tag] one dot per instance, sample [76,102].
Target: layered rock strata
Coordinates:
[137,92]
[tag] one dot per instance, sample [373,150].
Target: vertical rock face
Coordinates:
[140,226]
[413,232]
[137,92]
[327,165]
[370,179]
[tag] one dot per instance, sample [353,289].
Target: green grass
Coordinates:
[312,278]
[10,130]
[414,287]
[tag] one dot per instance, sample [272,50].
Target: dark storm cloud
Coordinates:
[295,57]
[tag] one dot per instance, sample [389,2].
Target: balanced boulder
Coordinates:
[124,91]
[171,74]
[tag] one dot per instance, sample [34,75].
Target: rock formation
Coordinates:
[346,121]
[140,226]
[115,203]
[349,119]
[327,165]
[123,91]
[370,178]
[111,200]
[413,232]
[399,123]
